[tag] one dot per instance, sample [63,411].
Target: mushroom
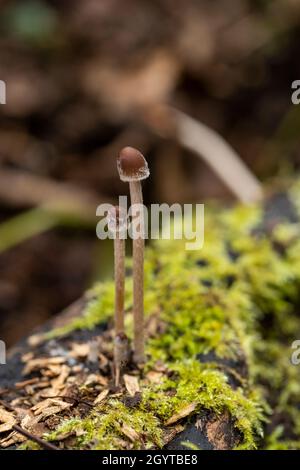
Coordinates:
[117,224]
[133,168]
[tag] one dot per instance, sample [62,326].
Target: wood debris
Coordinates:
[50,406]
[170,433]
[131,384]
[186,411]
[35,340]
[79,350]
[24,383]
[12,439]
[129,432]
[96,379]
[8,419]
[58,383]
[101,396]
[41,363]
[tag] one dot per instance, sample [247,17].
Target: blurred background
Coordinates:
[86,77]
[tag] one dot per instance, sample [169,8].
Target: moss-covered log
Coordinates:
[220,323]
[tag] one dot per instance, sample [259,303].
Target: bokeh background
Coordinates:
[82,76]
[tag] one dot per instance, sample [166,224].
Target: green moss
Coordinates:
[29,445]
[216,300]
[102,429]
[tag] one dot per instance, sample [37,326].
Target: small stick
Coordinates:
[133,168]
[208,145]
[46,445]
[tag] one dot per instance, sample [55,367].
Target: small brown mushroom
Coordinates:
[133,168]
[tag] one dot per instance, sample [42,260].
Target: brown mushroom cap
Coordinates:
[132,165]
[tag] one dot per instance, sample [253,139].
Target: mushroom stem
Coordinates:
[117,224]
[121,355]
[119,254]
[138,276]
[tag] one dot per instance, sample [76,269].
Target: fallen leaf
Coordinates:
[186,411]
[101,396]
[131,384]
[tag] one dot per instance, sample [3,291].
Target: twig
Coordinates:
[46,445]
[210,147]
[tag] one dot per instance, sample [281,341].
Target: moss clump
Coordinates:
[194,383]
[216,300]
[107,425]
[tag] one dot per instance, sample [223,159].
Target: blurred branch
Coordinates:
[210,147]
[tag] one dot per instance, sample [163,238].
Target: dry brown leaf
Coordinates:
[58,383]
[8,420]
[26,382]
[42,362]
[129,432]
[29,420]
[101,396]
[50,406]
[186,411]
[52,370]
[52,410]
[94,379]
[131,384]
[13,438]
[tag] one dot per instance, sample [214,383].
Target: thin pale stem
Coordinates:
[119,248]
[138,277]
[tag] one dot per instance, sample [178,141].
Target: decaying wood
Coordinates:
[55,394]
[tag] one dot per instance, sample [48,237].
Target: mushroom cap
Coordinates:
[116,219]
[132,165]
